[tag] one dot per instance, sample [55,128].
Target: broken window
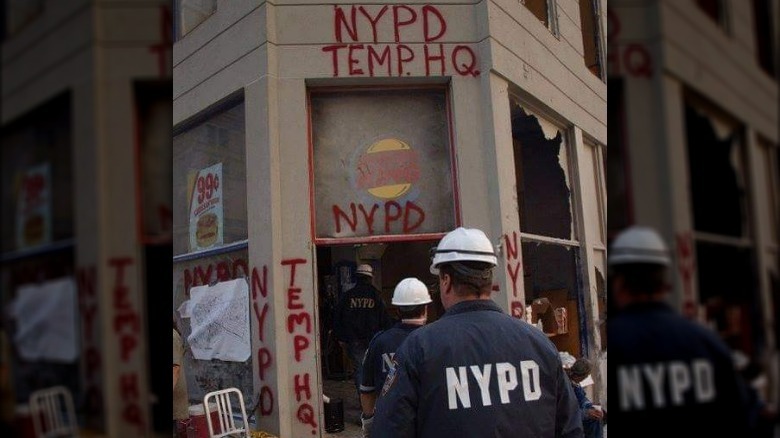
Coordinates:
[190,13]
[542,173]
[544,10]
[717,173]
[591,35]
[715,9]
[550,251]
[766,48]
[551,283]
[725,254]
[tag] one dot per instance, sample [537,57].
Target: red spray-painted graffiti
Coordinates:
[512,260]
[224,270]
[513,267]
[410,215]
[127,326]
[299,318]
[408,23]
[686,266]
[264,356]
[86,278]
[633,58]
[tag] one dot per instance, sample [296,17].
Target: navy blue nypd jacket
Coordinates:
[477,372]
[379,357]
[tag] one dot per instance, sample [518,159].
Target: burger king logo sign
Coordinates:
[388,169]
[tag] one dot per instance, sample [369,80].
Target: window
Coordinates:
[723,238]
[19,13]
[551,251]
[37,182]
[715,9]
[619,193]
[545,11]
[209,181]
[591,36]
[766,43]
[36,185]
[190,13]
[382,163]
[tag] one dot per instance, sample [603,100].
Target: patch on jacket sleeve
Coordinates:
[391,378]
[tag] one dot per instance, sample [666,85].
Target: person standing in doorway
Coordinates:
[360,314]
[672,376]
[412,297]
[476,371]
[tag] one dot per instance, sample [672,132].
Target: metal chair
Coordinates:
[53,413]
[227,424]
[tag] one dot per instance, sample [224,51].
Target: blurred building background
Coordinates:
[693,126]
[86,218]
[309,138]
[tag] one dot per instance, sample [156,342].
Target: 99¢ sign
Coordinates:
[206,215]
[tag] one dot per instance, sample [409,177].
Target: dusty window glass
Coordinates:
[37,186]
[542,174]
[382,163]
[209,182]
[190,13]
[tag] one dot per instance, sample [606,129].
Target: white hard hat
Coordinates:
[411,292]
[366,270]
[639,245]
[463,245]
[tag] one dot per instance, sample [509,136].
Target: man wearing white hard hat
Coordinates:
[477,371]
[672,376]
[412,298]
[359,315]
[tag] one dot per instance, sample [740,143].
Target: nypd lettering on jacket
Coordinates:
[362,303]
[666,384]
[504,377]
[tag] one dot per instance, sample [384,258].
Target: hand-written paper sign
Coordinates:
[33,207]
[417,32]
[220,321]
[206,215]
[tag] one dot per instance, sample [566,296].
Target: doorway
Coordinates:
[336,266]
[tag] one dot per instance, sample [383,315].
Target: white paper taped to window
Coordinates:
[45,317]
[219,317]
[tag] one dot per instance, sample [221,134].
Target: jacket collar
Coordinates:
[472,306]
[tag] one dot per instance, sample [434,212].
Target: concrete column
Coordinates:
[296,296]
[264,223]
[119,263]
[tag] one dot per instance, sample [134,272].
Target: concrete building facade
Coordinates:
[694,122]
[361,133]
[86,211]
